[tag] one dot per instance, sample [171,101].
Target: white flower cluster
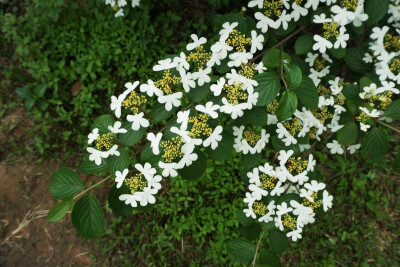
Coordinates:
[284,195]
[118,6]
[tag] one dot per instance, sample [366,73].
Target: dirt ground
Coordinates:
[26,238]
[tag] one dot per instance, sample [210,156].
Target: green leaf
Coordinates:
[158,112]
[131,137]
[338,53]
[273,58]
[103,122]
[279,145]
[278,241]
[58,211]
[351,92]
[225,147]
[116,205]
[65,184]
[267,88]
[257,116]
[393,110]
[354,58]
[87,216]
[303,44]
[269,258]
[375,145]
[307,93]
[293,76]
[250,232]
[118,163]
[287,106]
[196,170]
[243,219]
[29,102]
[348,134]
[376,10]
[396,163]
[89,167]
[289,197]
[40,89]
[198,93]
[251,160]
[240,250]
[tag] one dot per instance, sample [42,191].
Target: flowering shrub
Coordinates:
[302,73]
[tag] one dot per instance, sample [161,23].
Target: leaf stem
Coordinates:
[258,247]
[84,191]
[387,125]
[282,74]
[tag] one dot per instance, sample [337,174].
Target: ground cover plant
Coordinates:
[279,84]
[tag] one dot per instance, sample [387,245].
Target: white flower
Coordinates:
[165,64]
[311,58]
[321,44]
[260,67]
[298,11]
[295,234]
[284,156]
[321,19]
[353,148]
[155,141]
[327,200]
[209,109]
[364,127]
[284,135]
[135,3]
[169,169]
[183,118]
[138,121]
[130,199]
[154,182]
[373,114]
[214,138]
[311,163]
[119,13]
[387,86]
[249,199]
[368,58]
[196,42]
[120,177]
[116,103]
[147,196]
[343,16]
[181,62]
[171,100]
[145,169]
[217,88]
[227,28]
[335,147]
[271,211]
[117,128]
[314,186]
[283,19]
[188,158]
[202,76]
[96,155]
[312,3]
[257,192]
[235,110]
[93,135]
[187,80]
[239,58]
[256,42]
[264,22]
[342,38]
[150,89]
[258,3]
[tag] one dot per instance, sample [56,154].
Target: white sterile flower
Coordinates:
[353,148]
[312,3]
[387,86]
[170,101]
[281,210]
[256,42]
[138,121]
[135,3]
[187,149]
[315,186]
[182,132]
[321,44]
[154,182]
[373,114]
[217,88]
[116,103]
[113,151]
[122,3]
[147,196]
[360,16]
[120,177]
[227,28]
[278,189]
[298,11]
[304,147]
[311,58]
[368,58]
[96,155]
[150,89]
[335,147]
[343,16]
[93,135]
[283,20]
[305,215]
[202,76]
[235,110]
[271,211]
[284,135]
[364,127]
[314,77]
[335,87]
[239,58]
[169,169]
[311,163]
[221,48]
[183,118]
[322,101]
[258,3]
[187,80]
[254,177]
[155,142]
[130,199]
[214,138]
[321,19]
[181,62]
[209,109]
[119,13]
[260,67]
[117,128]
[196,42]
[257,192]
[146,169]
[327,200]
[306,194]
[341,40]
[264,22]
[284,156]
[249,199]
[295,234]
[165,64]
